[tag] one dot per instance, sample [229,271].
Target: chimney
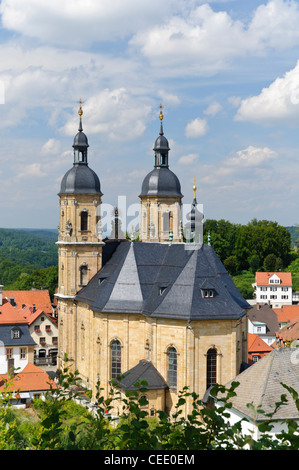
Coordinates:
[34,308]
[1,294]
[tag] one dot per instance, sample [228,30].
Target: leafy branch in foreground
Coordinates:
[192,427]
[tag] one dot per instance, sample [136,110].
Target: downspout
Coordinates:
[188,327]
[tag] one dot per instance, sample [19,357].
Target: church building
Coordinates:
[157,309]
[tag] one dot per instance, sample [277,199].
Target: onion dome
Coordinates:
[80,179]
[161,181]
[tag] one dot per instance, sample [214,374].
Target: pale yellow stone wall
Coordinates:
[77,248]
[86,337]
[151,218]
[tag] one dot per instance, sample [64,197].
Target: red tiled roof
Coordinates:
[262,279]
[255,344]
[13,315]
[286,313]
[32,378]
[40,298]
[289,332]
[30,314]
[9,314]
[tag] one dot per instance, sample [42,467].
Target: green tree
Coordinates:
[270,263]
[230,265]
[254,263]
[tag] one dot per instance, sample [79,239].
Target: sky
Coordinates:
[226,73]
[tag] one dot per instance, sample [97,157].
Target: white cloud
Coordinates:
[30,171]
[168,98]
[51,147]
[54,79]
[251,157]
[188,159]
[235,101]
[278,102]
[275,25]
[251,166]
[81,21]
[213,109]
[203,41]
[116,114]
[196,128]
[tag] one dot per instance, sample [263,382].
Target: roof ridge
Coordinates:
[271,359]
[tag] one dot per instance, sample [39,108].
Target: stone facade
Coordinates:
[87,336]
[159,216]
[79,241]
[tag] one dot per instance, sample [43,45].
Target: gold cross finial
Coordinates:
[161,114]
[194,188]
[80,112]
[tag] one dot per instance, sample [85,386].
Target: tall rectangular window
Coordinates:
[172,368]
[211,367]
[115,359]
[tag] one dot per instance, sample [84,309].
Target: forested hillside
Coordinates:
[261,245]
[28,258]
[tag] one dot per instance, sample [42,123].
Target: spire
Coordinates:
[194,192]
[161,119]
[80,112]
[80,144]
[194,226]
[161,147]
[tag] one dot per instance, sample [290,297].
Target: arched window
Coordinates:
[211,367]
[84,220]
[172,367]
[83,274]
[115,359]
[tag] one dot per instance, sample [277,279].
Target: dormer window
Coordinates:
[15,333]
[274,279]
[162,289]
[102,279]
[208,293]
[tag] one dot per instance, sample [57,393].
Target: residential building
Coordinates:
[29,384]
[44,331]
[273,288]
[286,314]
[262,321]
[155,303]
[288,335]
[42,328]
[16,346]
[257,348]
[18,298]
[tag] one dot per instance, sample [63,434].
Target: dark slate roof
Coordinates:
[80,140]
[144,370]
[161,143]
[265,314]
[80,179]
[132,279]
[161,181]
[7,339]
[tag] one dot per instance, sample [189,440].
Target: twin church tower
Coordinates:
[80,241]
[159,309]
